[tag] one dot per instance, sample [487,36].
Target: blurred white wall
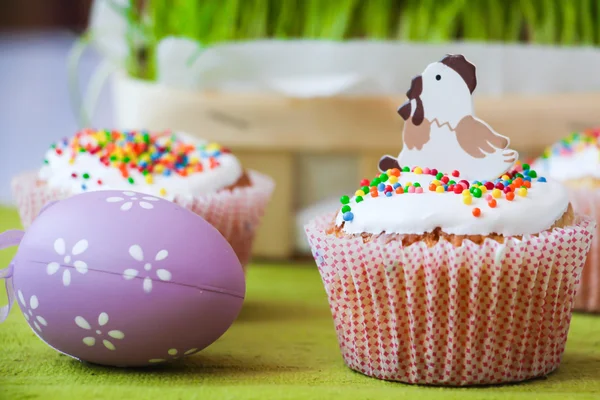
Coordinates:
[35,109]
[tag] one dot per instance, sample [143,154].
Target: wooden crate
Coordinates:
[269,132]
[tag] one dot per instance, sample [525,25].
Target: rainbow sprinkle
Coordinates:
[574,143]
[515,182]
[150,154]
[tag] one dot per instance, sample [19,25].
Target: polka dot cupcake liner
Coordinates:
[446,315]
[235,213]
[587,202]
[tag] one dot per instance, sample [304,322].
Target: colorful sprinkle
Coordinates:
[142,152]
[348,216]
[575,143]
[509,184]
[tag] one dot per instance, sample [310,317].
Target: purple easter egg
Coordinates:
[126,279]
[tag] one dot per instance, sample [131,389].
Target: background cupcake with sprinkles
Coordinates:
[203,177]
[575,161]
[462,274]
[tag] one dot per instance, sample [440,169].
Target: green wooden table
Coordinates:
[282,346]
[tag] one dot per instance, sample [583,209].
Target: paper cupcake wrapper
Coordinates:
[236,213]
[587,202]
[446,315]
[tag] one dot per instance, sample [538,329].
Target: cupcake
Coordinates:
[203,177]
[434,277]
[575,161]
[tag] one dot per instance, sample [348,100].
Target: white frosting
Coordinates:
[411,213]
[57,173]
[581,164]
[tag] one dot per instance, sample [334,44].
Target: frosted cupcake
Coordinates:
[575,161]
[442,278]
[203,177]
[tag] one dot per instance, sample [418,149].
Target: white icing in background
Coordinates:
[57,174]
[411,213]
[580,164]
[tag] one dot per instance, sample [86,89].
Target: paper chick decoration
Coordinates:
[441,130]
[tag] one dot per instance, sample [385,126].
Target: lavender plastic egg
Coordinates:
[125,279]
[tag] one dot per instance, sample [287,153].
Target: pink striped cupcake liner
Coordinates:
[587,202]
[235,213]
[446,315]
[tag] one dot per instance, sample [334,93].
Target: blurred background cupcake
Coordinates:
[203,177]
[575,161]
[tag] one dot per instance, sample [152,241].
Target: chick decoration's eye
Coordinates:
[438,77]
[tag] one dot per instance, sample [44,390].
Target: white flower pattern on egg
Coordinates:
[29,311]
[131,198]
[102,321]
[60,248]
[173,354]
[138,254]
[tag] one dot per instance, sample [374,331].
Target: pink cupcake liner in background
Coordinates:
[235,213]
[587,202]
[446,315]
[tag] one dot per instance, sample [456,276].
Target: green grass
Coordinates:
[565,22]
[282,346]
